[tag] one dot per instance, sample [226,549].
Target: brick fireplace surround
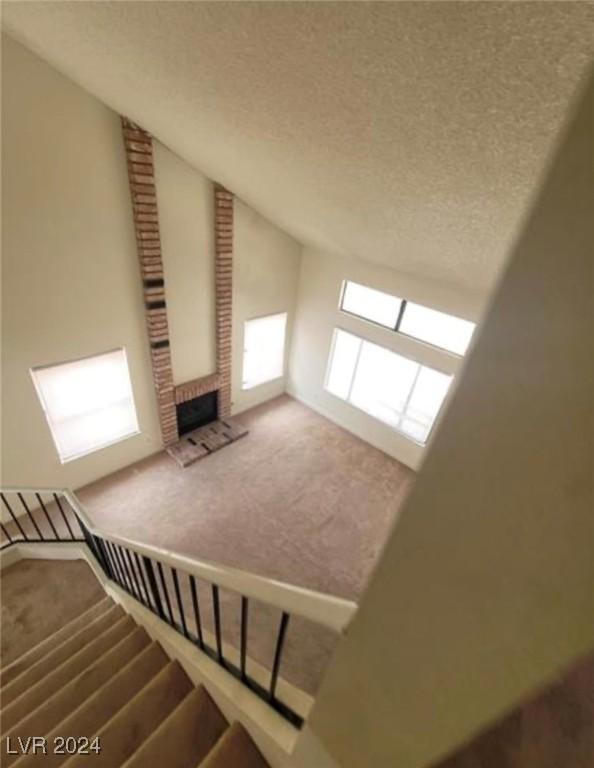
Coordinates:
[138,144]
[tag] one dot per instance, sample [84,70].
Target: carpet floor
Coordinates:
[40,596]
[298,499]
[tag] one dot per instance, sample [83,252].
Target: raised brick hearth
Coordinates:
[205,440]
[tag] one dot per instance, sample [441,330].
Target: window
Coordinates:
[437,328]
[88,403]
[400,392]
[422,323]
[370,304]
[263,349]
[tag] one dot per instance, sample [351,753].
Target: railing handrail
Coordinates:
[329,611]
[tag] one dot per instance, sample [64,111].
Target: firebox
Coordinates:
[196,412]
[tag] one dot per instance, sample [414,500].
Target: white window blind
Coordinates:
[88,403]
[263,349]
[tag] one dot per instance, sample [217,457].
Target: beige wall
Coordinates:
[71,282]
[318,314]
[486,586]
[70,277]
[265,279]
[265,274]
[185,200]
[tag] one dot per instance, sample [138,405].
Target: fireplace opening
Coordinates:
[196,412]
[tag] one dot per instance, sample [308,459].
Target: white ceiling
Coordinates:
[410,134]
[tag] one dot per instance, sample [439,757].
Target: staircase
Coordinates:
[102,676]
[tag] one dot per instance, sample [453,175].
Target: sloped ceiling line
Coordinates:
[409,134]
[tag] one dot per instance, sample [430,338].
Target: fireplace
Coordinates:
[201,429]
[196,412]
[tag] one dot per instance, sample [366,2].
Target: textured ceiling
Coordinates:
[411,134]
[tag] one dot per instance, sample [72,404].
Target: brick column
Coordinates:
[139,154]
[223,293]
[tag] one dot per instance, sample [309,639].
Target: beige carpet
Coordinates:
[299,499]
[40,596]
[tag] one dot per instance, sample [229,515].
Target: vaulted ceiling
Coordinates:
[409,134]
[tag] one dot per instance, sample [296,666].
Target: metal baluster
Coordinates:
[5,532]
[165,593]
[31,518]
[244,627]
[44,508]
[107,567]
[282,631]
[150,575]
[14,517]
[125,569]
[134,577]
[55,495]
[115,566]
[91,544]
[179,601]
[142,579]
[216,607]
[124,580]
[196,610]
[115,563]
[74,512]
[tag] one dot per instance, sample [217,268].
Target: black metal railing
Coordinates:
[159,587]
[52,520]
[145,578]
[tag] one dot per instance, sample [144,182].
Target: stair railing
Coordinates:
[140,569]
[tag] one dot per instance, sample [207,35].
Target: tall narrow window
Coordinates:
[402,393]
[88,403]
[263,349]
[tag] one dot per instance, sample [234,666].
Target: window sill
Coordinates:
[100,447]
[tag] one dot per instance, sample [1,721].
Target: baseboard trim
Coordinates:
[415,465]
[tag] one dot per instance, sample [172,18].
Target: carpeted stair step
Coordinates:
[56,656]
[13,670]
[137,720]
[100,709]
[59,706]
[234,750]
[185,737]
[57,678]
[100,676]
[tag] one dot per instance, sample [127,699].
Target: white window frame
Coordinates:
[444,370]
[65,459]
